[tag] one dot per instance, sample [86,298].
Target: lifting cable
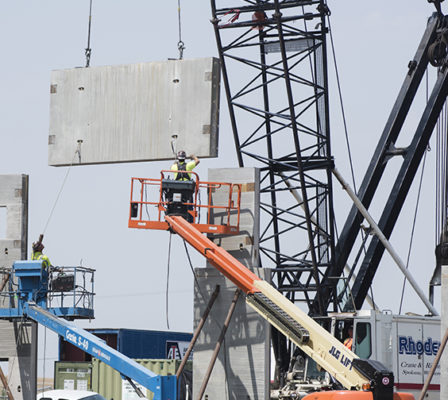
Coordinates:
[192,270]
[210,315]
[146,200]
[180,44]
[443,181]
[168,282]
[77,153]
[44,360]
[344,120]
[88,50]
[339,89]
[441,177]
[417,203]
[413,229]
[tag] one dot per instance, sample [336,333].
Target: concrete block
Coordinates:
[242,368]
[129,113]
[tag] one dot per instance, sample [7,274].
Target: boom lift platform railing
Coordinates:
[364,378]
[183,197]
[32,289]
[67,291]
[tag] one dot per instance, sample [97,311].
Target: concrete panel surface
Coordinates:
[14,197]
[242,368]
[244,247]
[130,112]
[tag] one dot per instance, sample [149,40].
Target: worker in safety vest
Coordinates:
[181,165]
[349,341]
[37,253]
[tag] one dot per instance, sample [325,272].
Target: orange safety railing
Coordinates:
[149,204]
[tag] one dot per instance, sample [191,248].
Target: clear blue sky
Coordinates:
[374,43]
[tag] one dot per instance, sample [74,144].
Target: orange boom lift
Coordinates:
[178,209]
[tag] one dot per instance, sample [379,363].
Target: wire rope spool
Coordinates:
[437,52]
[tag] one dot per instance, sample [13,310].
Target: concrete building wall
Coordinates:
[444,327]
[18,340]
[242,368]
[129,113]
[14,198]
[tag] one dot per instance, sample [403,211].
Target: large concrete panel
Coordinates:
[18,340]
[243,367]
[130,112]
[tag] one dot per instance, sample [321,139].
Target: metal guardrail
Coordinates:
[149,203]
[71,287]
[68,287]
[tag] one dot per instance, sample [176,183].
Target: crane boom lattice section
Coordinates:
[273,58]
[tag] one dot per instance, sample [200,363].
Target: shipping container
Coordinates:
[73,375]
[142,344]
[109,383]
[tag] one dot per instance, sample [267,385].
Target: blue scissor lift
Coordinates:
[67,294]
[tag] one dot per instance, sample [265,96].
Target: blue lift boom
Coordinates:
[30,300]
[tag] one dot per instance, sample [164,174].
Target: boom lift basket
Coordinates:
[66,291]
[183,198]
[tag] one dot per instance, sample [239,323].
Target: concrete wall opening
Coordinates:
[3,221]
[4,365]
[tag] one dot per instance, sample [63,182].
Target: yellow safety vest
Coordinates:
[348,343]
[39,256]
[188,167]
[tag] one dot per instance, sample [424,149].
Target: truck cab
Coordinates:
[406,344]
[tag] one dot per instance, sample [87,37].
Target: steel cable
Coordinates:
[344,119]
[414,222]
[88,50]
[347,139]
[180,43]
[77,152]
[210,315]
[413,230]
[168,282]
[45,355]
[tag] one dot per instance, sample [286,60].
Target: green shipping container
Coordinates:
[73,375]
[108,382]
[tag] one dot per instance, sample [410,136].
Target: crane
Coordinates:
[280,121]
